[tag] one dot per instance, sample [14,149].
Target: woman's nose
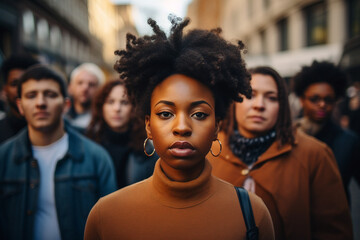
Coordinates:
[117,106]
[258,102]
[322,103]
[182,125]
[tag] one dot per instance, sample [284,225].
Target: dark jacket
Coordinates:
[346,147]
[131,165]
[10,126]
[82,176]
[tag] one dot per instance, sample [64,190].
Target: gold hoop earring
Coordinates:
[149,155]
[219,151]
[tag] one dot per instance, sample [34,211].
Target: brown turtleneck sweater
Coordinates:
[158,208]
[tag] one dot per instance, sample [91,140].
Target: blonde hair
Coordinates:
[91,68]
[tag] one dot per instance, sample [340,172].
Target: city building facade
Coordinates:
[62,33]
[285,34]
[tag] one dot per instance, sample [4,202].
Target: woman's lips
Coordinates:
[181,149]
[116,118]
[321,114]
[257,118]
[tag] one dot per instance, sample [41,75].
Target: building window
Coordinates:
[55,38]
[266,4]
[354,18]
[263,42]
[28,22]
[250,8]
[316,16]
[283,35]
[42,30]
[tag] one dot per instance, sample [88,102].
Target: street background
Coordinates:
[284,34]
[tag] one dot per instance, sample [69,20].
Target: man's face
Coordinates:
[10,87]
[83,87]
[42,104]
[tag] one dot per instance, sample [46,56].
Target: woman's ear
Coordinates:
[147,126]
[218,123]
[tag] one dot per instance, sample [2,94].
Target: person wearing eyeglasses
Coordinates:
[319,86]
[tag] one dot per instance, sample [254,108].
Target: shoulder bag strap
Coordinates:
[252,231]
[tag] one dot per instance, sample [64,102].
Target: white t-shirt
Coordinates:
[46,224]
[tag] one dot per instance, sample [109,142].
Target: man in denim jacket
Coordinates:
[50,176]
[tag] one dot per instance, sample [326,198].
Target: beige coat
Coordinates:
[300,185]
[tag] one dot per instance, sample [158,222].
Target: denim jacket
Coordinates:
[82,176]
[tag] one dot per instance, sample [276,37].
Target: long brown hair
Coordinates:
[97,125]
[283,126]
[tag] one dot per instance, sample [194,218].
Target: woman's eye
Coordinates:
[110,101]
[164,115]
[200,115]
[273,98]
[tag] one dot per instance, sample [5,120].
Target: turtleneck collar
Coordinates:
[182,194]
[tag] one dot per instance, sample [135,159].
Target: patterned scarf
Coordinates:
[249,149]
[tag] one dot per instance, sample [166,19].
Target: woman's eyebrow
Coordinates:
[193,104]
[165,102]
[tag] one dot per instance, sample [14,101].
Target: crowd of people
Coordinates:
[184,143]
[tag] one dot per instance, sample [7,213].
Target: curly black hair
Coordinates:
[17,61]
[199,54]
[320,72]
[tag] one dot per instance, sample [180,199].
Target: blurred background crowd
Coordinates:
[283,34]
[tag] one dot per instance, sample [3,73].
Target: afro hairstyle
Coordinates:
[200,54]
[320,72]
[17,61]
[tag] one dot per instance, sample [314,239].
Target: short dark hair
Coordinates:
[41,72]
[283,126]
[17,61]
[320,72]
[200,54]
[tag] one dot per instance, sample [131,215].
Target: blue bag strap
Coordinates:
[252,231]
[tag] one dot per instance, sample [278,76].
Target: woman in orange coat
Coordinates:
[184,85]
[294,174]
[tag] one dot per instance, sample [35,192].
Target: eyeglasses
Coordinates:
[317,99]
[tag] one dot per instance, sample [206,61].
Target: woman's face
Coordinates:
[318,102]
[117,109]
[258,115]
[182,125]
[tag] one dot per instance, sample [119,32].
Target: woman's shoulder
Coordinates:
[312,151]
[304,139]
[307,144]
[255,200]
[127,195]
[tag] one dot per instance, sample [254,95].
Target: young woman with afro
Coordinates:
[184,84]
